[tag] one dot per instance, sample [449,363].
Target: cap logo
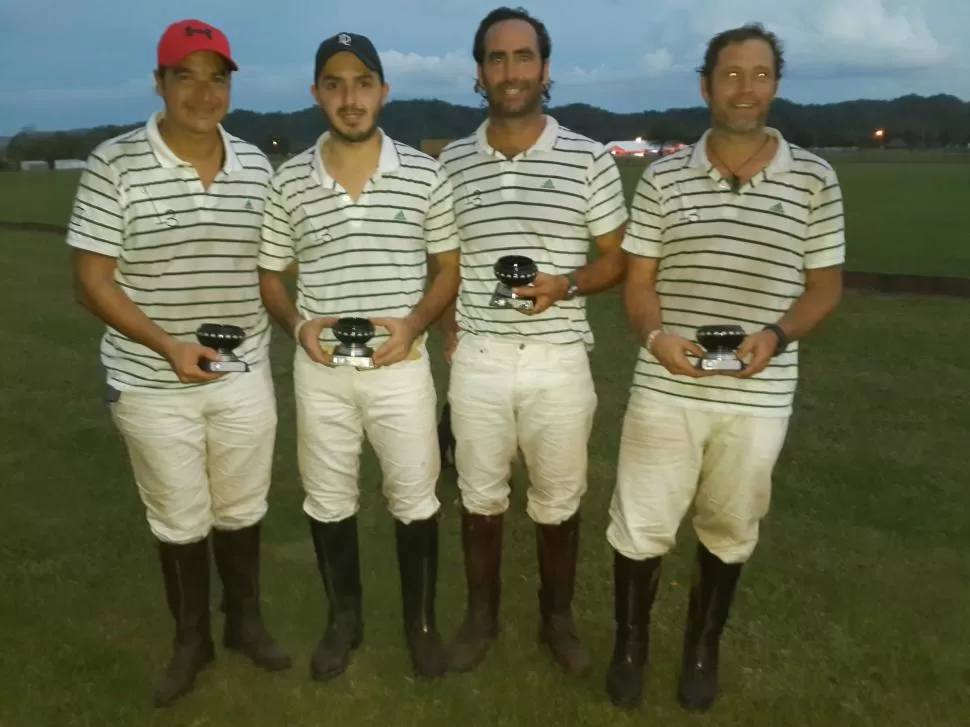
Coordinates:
[190,31]
[343,39]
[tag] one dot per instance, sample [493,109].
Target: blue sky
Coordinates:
[71,63]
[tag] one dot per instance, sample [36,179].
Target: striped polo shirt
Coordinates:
[186,255]
[366,258]
[733,258]
[546,203]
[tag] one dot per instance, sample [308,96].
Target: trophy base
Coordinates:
[503,297]
[355,357]
[720,362]
[225,365]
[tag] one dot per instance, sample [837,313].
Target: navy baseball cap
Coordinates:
[359,45]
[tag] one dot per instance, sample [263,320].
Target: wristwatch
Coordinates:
[573,290]
[782,338]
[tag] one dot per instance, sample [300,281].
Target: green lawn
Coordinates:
[901,216]
[852,612]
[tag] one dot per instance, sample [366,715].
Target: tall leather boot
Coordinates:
[338,560]
[417,558]
[185,573]
[237,560]
[481,540]
[558,550]
[634,590]
[712,591]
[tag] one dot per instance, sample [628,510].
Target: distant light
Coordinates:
[879,133]
[639,140]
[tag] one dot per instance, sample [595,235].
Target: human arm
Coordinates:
[277,258]
[824,257]
[441,236]
[96,234]
[605,216]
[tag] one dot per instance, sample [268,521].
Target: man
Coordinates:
[744,229]
[165,232]
[525,185]
[365,217]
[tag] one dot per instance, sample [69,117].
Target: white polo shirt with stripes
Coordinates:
[547,203]
[186,255]
[366,258]
[733,258]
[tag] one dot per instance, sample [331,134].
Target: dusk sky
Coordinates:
[70,64]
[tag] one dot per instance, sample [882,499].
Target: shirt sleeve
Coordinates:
[605,204]
[644,234]
[825,236]
[277,248]
[440,228]
[97,222]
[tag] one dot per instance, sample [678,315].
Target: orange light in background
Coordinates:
[879,133]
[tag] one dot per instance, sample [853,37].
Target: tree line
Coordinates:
[909,121]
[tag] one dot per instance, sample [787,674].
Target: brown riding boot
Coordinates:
[558,548]
[481,539]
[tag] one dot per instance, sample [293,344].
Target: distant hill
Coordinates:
[914,121]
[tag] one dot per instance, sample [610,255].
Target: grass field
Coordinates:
[852,611]
[906,212]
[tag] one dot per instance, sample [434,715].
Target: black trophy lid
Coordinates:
[220,335]
[353,330]
[515,270]
[720,336]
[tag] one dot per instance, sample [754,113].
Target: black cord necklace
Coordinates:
[732,178]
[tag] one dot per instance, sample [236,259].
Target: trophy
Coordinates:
[513,271]
[721,343]
[353,334]
[223,338]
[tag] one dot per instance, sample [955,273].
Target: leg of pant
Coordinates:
[399,405]
[661,449]
[735,485]
[330,437]
[555,405]
[166,441]
[483,423]
[732,499]
[241,420]
[241,435]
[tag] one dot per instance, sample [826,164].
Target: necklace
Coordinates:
[732,178]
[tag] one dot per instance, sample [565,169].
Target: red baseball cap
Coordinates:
[188,36]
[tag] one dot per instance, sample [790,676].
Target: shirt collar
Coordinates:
[780,163]
[389,161]
[167,158]
[545,142]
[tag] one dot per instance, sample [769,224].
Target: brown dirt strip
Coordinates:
[889,283]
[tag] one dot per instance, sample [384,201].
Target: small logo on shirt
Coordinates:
[476,198]
[248,205]
[777,208]
[399,217]
[548,185]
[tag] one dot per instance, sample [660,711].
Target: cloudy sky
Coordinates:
[77,63]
